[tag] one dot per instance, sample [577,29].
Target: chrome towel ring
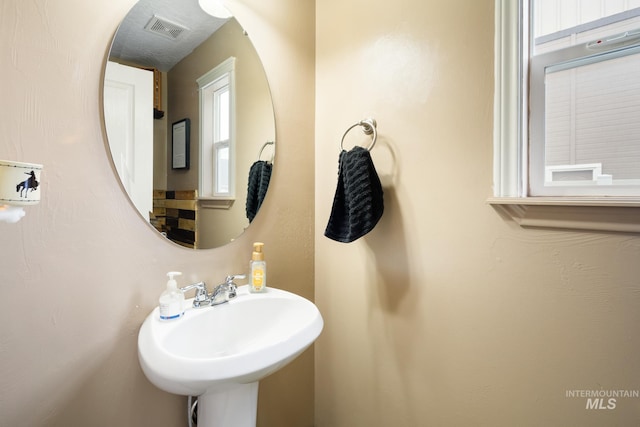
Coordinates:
[369,127]
[265,146]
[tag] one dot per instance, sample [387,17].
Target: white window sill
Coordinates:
[616,214]
[216,203]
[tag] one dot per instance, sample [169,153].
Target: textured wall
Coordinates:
[80,272]
[448,314]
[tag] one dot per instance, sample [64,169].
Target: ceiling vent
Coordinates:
[165,28]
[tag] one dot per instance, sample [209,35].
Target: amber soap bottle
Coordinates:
[258,265]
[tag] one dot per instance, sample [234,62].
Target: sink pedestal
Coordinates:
[233,405]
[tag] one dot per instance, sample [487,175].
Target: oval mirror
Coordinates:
[189,120]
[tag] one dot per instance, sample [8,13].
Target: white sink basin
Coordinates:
[220,353]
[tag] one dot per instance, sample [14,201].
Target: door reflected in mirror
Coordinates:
[159,53]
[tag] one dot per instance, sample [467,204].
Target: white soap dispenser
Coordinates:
[172,299]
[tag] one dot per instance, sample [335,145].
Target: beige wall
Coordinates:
[448,314]
[80,272]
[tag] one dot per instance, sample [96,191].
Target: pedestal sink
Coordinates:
[220,353]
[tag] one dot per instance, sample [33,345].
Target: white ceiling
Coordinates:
[134,44]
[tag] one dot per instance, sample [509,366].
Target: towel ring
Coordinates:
[369,127]
[265,146]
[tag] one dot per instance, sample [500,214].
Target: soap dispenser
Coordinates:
[172,299]
[258,281]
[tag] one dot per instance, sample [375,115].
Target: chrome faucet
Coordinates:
[225,291]
[221,293]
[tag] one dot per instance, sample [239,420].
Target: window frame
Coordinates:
[223,76]
[510,121]
[510,145]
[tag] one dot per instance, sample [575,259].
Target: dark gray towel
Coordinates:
[259,177]
[358,203]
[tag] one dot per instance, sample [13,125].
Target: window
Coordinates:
[221,135]
[567,98]
[217,118]
[566,113]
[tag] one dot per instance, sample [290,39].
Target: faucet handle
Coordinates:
[201,293]
[229,279]
[231,286]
